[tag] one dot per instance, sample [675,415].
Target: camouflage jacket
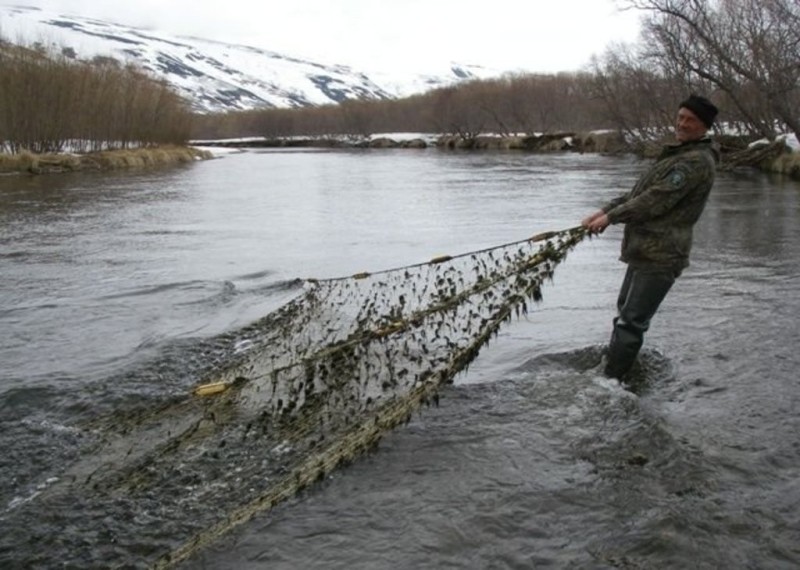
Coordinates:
[662,208]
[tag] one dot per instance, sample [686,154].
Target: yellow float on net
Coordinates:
[211,389]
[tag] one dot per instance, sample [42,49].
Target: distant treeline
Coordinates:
[743,54]
[49,103]
[511,104]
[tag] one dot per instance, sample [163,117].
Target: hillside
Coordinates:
[217,76]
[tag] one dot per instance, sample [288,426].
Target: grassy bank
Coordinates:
[27,162]
[787,163]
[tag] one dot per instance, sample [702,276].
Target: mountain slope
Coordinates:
[216,76]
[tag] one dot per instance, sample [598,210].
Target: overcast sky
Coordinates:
[531,35]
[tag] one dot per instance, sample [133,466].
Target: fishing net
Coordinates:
[311,386]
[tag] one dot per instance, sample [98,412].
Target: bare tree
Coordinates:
[747,49]
[356,118]
[637,94]
[50,101]
[452,113]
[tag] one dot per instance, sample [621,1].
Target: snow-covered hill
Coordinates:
[217,76]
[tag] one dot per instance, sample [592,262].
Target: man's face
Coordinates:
[688,127]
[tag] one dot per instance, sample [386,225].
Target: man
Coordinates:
[659,214]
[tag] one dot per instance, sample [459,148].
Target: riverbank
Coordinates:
[786,163]
[780,156]
[31,163]
[592,141]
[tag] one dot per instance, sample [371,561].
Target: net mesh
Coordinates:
[354,357]
[313,385]
[356,343]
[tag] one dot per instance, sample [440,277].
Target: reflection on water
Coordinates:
[114,287]
[753,215]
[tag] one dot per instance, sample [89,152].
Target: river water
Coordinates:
[115,287]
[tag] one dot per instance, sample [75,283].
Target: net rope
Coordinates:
[315,384]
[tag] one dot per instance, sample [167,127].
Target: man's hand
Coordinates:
[596,223]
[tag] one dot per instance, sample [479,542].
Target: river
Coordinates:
[114,288]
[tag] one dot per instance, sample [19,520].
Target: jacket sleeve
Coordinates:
[615,202]
[662,195]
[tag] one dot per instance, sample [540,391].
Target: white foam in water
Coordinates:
[243,346]
[47,425]
[603,381]
[18,501]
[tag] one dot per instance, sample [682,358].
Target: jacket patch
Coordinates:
[677,178]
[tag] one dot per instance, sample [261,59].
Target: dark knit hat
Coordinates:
[702,107]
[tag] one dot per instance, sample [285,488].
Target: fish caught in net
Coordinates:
[313,385]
